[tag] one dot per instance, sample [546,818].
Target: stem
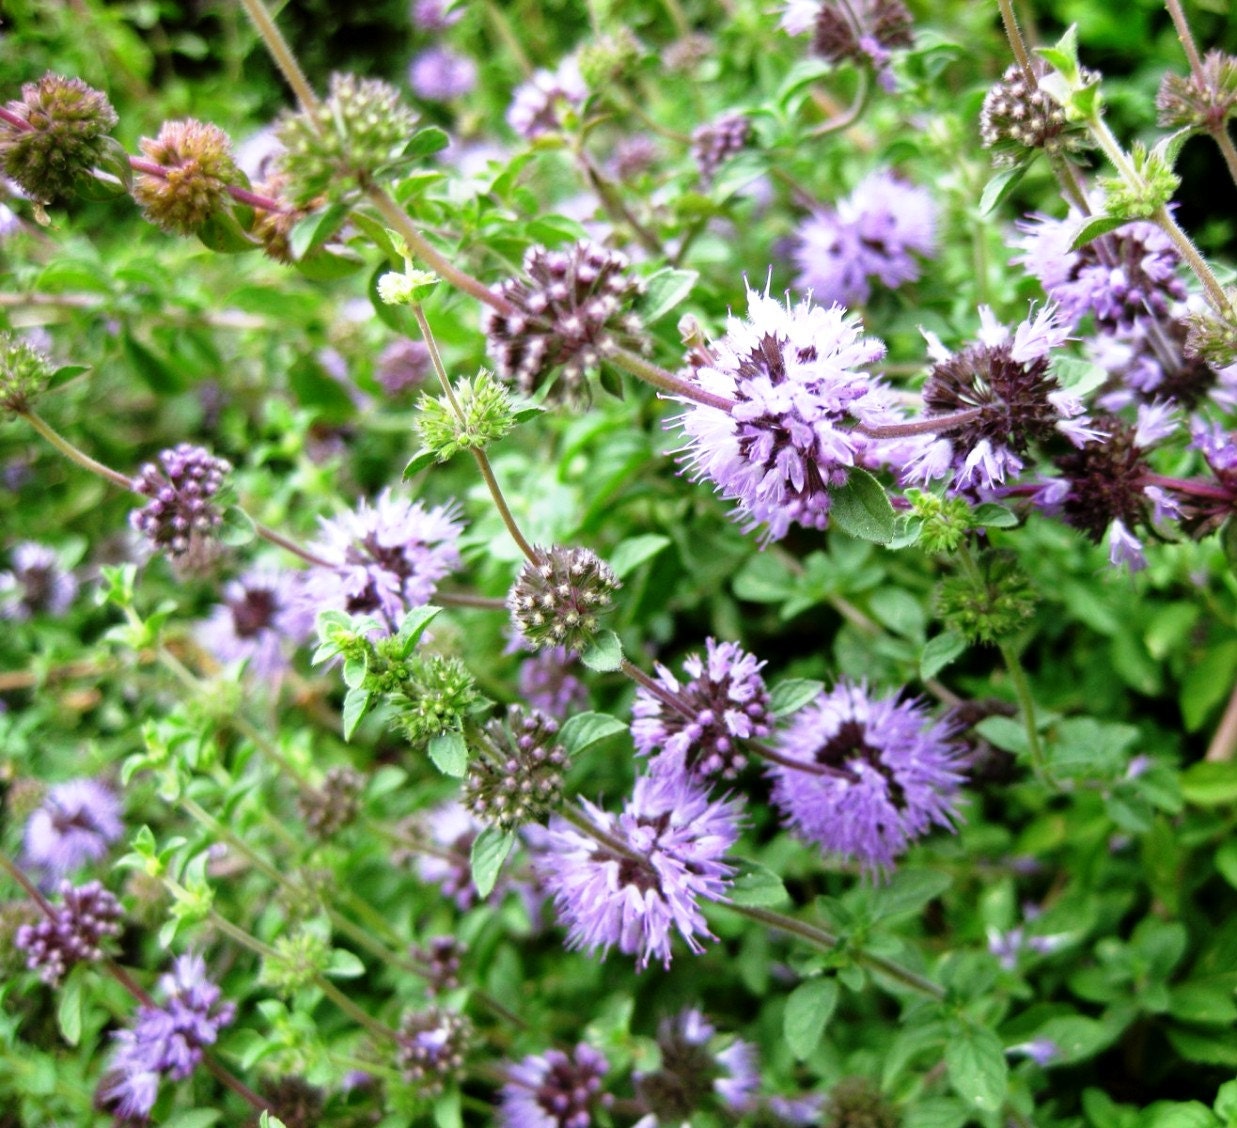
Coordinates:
[1224,743]
[929,425]
[272,537]
[1192,487]
[502,26]
[1220,135]
[74,454]
[279,50]
[32,891]
[585,825]
[667,381]
[828,942]
[1022,687]
[853,113]
[243,195]
[15,120]
[1186,36]
[1163,219]
[1016,42]
[466,599]
[616,207]
[439,263]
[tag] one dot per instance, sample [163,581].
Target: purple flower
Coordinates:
[402,365]
[387,558]
[431,1046]
[697,725]
[181,515]
[36,584]
[452,831]
[794,376]
[76,823]
[436,15]
[167,1040]
[1004,398]
[547,683]
[872,234]
[890,774]
[440,74]
[260,615]
[538,105]
[75,932]
[716,140]
[1042,1051]
[554,1090]
[673,839]
[1121,278]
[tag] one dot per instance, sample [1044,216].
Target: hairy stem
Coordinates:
[74,454]
[279,50]
[666,381]
[1016,42]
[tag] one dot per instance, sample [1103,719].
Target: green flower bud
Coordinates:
[349,138]
[610,58]
[69,122]
[1156,182]
[1210,339]
[486,407]
[437,696]
[24,372]
[990,608]
[295,961]
[408,288]
[945,521]
[856,1102]
[198,168]
[1203,101]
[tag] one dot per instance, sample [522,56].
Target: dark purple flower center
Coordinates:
[850,743]
[38,586]
[253,612]
[1106,481]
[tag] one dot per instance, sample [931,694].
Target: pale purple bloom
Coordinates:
[76,823]
[1121,278]
[386,558]
[402,365]
[675,839]
[799,16]
[440,74]
[167,1040]
[874,233]
[260,618]
[538,105]
[436,15]
[803,1111]
[547,683]
[10,222]
[891,774]
[1124,548]
[1042,1051]
[35,584]
[699,728]
[452,831]
[794,376]
[554,1090]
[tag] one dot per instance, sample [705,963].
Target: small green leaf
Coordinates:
[666,289]
[312,232]
[237,527]
[419,461]
[583,730]
[758,887]
[791,694]
[808,1010]
[356,705]
[1095,227]
[489,851]
[355,670]
[628,555]
[1000,186]
[425,142]
[908,891]
[939,652]
[604,653]
[414,626]
[993,516]
[977,1067]
[449,751]
[861,508]
[344,965]
[1210,783]
[224,234]
[69,1010]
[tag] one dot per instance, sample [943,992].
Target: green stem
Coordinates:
[1186,37]
[828,942]
[1016,42]
[1163,219]
[502,25]
[74,454]
[665,380]
[420,247]
[279,50]
[278,539]
[1026,703]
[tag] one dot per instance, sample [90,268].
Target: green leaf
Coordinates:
[195,1118]
[1077,375]
[237,528]
[425,142]
[861,508]
[314,388]
[69,1010]
[326,266]
[312,232]
[156,373]
[758,887]
[583,730]
[356,705]
[908,891]
[414,625]
[344,965]
[448,1110]
[355,670]
[1095,227]
[977,1067]
[224,234]
[1226,861]
[1210,783]
[664,290]
[489,851]
[629,554]
[1000,186]
[808,1010]
[791,694]
[604,653]
[1005,733]
[939,652]
[1063,55]
[419,461]
[994,516]
[449,751]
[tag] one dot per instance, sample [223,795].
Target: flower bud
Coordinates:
[181,516]
[1153,187]
[24,372]
[431,1048]
[992,606]
[1199,101]
[518,778]
[197,170]
[295,961]
[333,806]
[68,122]
[1019,117]
[435,699]
[556,601]
[486,410]
[75,932]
